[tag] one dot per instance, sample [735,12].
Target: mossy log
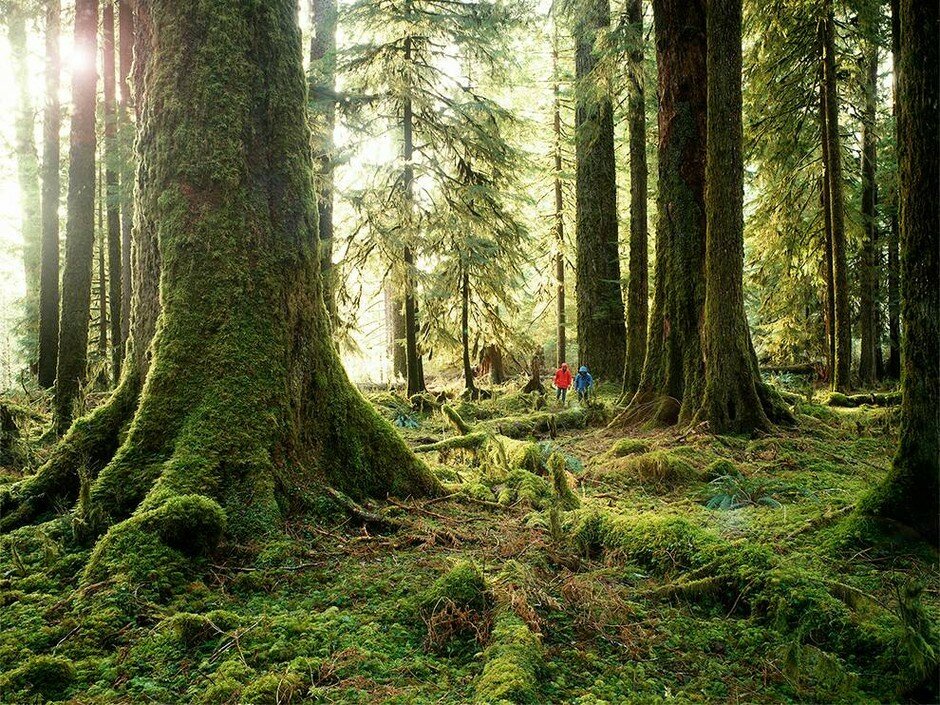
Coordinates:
[513,660]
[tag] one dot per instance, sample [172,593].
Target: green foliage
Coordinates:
[47,676]
[733,490]
[527,488]
[628,446]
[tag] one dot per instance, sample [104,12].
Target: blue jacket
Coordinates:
[583,381]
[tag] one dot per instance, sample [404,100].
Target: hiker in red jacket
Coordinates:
[562,382]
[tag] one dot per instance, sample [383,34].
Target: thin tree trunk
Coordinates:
[841,379]
[126,43]
[868,270]
[602,331]
[830,311]
[80,221]
[559,215]
[395,326]
[322,91]
[102,272]
[112,160]
[49,267]
[638,287]
[673,370]
[27,168]
[731,403]
[893,369]
[469,386]
[909,494]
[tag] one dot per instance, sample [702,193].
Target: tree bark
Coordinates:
[638,287]
[673,370]
[112,162]
[559,215]
[80,220]
[868,265]
[909,494]
[102,271]
[395,327]
[731,403]
[841,379]
[601,327]
[469,386]
[126,43]
[246,404]
[49,267]
[27,169]
[893,368]
[322,91]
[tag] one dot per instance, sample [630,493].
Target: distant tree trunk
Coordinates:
[638,287]
[80,221]
[246,402]
[102,272]
[673,371]
[601,329]
[841,379]
[112,161]
[27,167]
[830,311]
[731,402]
[468,383]
[909,494]
[559,216]
[49,268]
[491,359]
[126,132]
[322,91]
[893,368]
[395,327]
[868,266]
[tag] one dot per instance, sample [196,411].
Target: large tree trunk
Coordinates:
[112,157]
[673,371]
[126,131]
[909,493]
[246,405]
[601,329]
[868,265]
[80,221]
[841,378]
[27,167]
[731,402]
[322,92]
[893,368]
[638,287]
[559,215]
[49,267]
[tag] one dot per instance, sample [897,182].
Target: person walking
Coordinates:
[562,382]
[583,383]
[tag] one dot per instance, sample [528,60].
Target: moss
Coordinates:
[657,468]
[628,446]
[525,456]
[47,676]
[721,467]
[838,399]
[463,586]
[477,490]
[527,488]
[513,661]
[275,689]
[191,629]
[564,497]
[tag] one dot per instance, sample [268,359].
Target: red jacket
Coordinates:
[563,378]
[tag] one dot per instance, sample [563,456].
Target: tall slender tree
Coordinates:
[112,165]
[27,166]
[126,42]
[601,327]
[909,493]
[638,283]
[101,247]
[322,90]
[893,367]
[673,370]
[842,370]
[80,221]
[558,217]
[49,266]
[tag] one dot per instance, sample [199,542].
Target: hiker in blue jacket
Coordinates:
[583,383]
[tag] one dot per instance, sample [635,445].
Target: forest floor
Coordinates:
[650,566]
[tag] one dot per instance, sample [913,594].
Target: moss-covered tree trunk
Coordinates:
[246,404]
[395,330]
[909,493]
[112,159]
[893,366]
[601,329]
[731,402]
[638,286]
[322,90]
[80,221]
[841,378]
[126,140]
[102,291]
[673,371]
[561,324]
[868,260]
[27,166]
[49,266]
[469,387]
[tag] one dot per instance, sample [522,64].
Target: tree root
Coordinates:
[359,512]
